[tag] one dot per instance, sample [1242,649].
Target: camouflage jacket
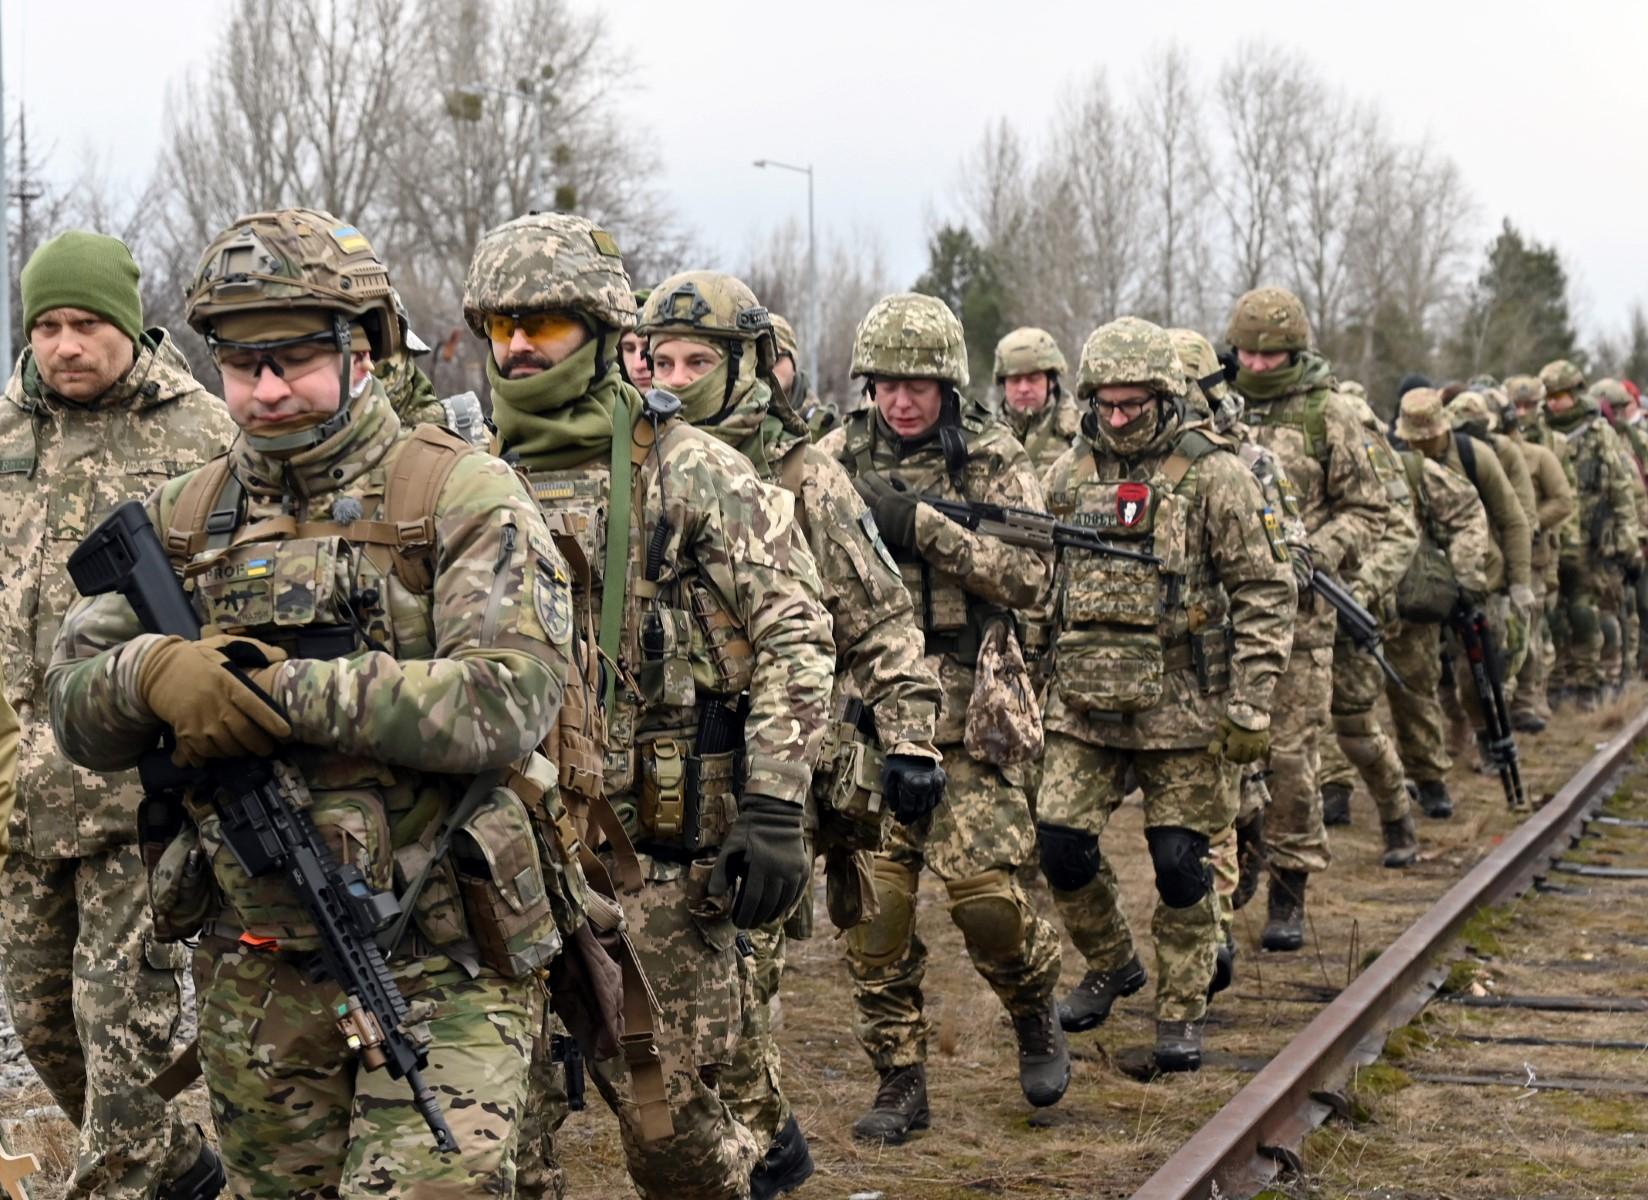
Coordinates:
[737,609]
[1634,441]
[1047,434]
[410,391]
[1453,517]
[1553,499]
[1151,657]
[440,685]
[1377,571]
[62,466]
[1342,500]
[957,579]
[9,733]
[878,647]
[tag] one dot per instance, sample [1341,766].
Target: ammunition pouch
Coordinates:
[1427,592]
[689,799]
[847,789]
[180,885]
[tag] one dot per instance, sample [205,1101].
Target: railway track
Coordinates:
[1258,1133]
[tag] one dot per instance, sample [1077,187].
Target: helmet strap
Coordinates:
[950,437]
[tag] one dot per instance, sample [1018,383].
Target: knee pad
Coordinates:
[1583,623]
[884,939]
[990,911]
[1069,857]
[1183,873]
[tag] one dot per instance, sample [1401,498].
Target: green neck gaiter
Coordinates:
[703,399]
[1573,415]
[1268,385]
[557,418]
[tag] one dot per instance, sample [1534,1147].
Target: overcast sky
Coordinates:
[1544,106]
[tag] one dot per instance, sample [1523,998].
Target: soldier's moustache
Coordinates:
[526,359]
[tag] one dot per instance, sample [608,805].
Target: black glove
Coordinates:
[767,855]
[913,785]
[894,508]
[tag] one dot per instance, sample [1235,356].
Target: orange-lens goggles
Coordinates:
[538,327]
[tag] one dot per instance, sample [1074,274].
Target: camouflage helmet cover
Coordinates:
[1130,351]
[1612,392]
[1267,320]
[1195,352]
[1026,351]
[911,336]
[292,259]
[1521,389]
[1352,387]
[1469,408]
[784,336]
[1561,376]
[546,262]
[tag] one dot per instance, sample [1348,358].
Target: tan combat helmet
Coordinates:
[910,336]
[1131,351]
[1561,376]
[1267,320]
[1026,351]
[713,307]
[549,262]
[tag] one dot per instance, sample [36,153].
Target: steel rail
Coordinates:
[1258,1131]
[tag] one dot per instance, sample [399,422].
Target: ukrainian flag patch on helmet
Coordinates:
[350,239]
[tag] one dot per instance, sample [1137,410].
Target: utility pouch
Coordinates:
[849,887]
[1109,669]
[665,673]
[851,811]
[724,657]
[501,879]
[664,814]
[1428,590]
[180,884]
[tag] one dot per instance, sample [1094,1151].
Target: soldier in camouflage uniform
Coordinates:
[98,411]
[1609,542]
[394,670]
[691,322]
[1034,404]
[1553,507]
[411,393]
[1617,403]
[632,353]
[1165,669]
[1360,745]
[709,605]
[1453,519]
[1633,432]
[797,385]
[919,437]
[1294,412]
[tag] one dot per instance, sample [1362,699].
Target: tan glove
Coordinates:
[212,711]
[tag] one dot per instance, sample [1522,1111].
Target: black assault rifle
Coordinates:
[1470,626]
[1027,527]
[1356,622]
[263,807]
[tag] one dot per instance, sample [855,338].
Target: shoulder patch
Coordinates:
[605,243]
[868,522]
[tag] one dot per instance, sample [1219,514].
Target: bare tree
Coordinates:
[1169,123]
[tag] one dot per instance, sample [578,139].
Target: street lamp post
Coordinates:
[533,96]
[812,262]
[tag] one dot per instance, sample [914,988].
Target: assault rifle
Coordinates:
[1356,622]
[1470,626]
[263,805]
[1027,527]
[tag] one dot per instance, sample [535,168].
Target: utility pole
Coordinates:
[812,262]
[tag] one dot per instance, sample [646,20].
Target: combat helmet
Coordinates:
[1561,376]
[549,262]
[1130,350]
[784,337]
[717,307]
[290,276]
[1028,350]
[1521,389]
[911,336]
[1268,319]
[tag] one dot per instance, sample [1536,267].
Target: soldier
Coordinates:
[632,354]
[1163,669]
[1633,431]
[1359,739]
[1295,413]
[1554,506]
[879,657]
[1592,570]
[411,393]
[919,437]
[396,675]
[1453,521]
[1617,403]
[709,608]
[797,385]
[10,733]
[1029,366]
[98,411]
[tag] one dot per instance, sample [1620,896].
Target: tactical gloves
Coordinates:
[894,507]
[767,855]
[1238,745]
[913,785]
[1522,598]
[214,707]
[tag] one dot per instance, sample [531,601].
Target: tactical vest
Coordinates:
[952,620]
[1310,418]
[1123,626]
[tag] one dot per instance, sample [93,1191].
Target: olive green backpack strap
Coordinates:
[1192,445]
[616,569]
[423,464]
[206,513]
[1316,426]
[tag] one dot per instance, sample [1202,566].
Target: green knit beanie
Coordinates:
[84,270]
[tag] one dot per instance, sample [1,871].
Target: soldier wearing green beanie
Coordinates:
[97,411]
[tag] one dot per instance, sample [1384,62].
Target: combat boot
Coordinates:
[1527,722]
[1335,804]
[1434,800]
[1224,966]
[1286,928]
[787,1165]
[1401,842]
[1088,1003]
[1250,858]
[203,1180]
[1178,1046]
[1044,1059]
[900,1107]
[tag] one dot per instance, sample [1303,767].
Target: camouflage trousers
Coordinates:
[299,1116]
[1360,745]
[96,1003]
[1186,789]
[687,947]
[974,842]
[1421,741]
[1530,699]
[1589,608]
[1630,632]
[1295,838]
[750,1084]
[1252,798]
